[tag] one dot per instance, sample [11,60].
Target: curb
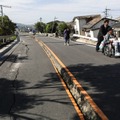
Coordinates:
[89,42]
[87,106]
[8,47]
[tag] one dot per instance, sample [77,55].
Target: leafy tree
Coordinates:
[54,27]
[61,27]
[51,27]
[7,27]
[40,27]
[48,28]
[72,31]
[1,31]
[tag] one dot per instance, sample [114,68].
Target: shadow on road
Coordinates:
[7,96]
[103,85]
[16,98]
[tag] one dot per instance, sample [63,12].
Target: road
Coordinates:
[32,90]
[98,74]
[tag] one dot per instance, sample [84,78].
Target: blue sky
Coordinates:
[30,11]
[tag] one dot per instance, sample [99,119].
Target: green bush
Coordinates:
[13,38]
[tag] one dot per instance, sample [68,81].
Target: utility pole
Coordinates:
[106,12]
[40,19]
[1,6]
[53,23]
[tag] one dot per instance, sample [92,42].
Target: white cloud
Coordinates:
[29,11]
[16,2]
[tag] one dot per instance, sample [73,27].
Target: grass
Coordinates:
[13,37]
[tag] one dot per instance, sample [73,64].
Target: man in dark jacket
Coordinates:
[67,36]
[102,32]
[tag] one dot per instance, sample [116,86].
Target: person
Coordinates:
[102,32]
[115,43]
[109,34]
[67,36]
[108,42]
[106,38]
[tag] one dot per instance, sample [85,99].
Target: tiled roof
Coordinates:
[118,18]
[116,25]
[86,16]
[92,22]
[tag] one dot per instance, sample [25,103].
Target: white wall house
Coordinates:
[78,25]
[80,21]
[116,28]
[92,27]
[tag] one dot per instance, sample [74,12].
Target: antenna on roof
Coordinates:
[106,12]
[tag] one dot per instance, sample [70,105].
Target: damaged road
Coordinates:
[9,70]
[29,86]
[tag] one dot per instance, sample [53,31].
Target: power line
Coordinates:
[1,6]
[106,12]
[115,10]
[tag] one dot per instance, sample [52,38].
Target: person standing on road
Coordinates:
[67,36]
[102,32]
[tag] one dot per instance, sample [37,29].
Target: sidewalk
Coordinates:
[6,48]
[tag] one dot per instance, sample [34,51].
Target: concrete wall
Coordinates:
[78,26]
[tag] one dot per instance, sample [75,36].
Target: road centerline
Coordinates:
[92,103]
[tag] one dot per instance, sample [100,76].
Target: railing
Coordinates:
[5,39]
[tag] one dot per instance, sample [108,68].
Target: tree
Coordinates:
[7,27]
[51,27]
[61,27]
[48,28]
[54,27]
[40,27]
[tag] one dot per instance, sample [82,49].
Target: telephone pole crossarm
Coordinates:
[106,12]
[1,6]
[1,11]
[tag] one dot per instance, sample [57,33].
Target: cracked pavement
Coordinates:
[30,88]
[9,71]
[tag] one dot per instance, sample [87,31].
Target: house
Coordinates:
[91,28]
[80,21]
[118,19]
[116,28]
[89,25]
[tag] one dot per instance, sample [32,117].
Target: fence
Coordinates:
[5,39]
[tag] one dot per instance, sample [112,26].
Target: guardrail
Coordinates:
[5,39]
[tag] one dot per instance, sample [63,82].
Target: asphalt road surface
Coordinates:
[98,74]
[31,90]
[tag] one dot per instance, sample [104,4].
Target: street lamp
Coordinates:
[40,19]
